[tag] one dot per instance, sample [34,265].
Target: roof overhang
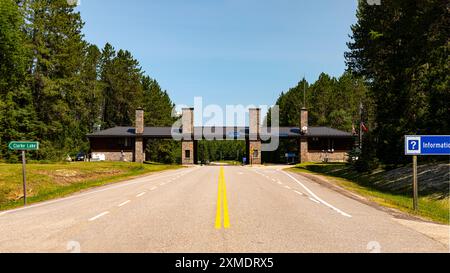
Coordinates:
[222,132]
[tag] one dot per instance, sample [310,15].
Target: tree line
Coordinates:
[397,69]
[332,102]
[55,87]
[401,49]
[221,150]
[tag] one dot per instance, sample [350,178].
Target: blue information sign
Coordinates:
[427,145]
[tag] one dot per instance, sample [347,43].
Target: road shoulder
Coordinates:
[438,232]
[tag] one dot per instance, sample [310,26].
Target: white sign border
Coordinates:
[413,152]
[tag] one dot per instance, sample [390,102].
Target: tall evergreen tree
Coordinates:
[157,104]
[158,113]
[401,49]
[55,87]
[17,115]
[123,93]
[54,30]
[92,89]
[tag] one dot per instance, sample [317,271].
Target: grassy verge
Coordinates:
[437,210]
[49,181]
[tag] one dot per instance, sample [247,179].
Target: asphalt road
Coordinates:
[206,209]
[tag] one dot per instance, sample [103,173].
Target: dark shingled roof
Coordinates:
[166,132]
[313,132]
[162,132]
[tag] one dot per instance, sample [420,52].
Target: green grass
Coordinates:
[49,181]
[430,208]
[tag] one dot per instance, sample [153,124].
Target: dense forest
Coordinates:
[401,49]
[398,71]
[332,102]
[55,87]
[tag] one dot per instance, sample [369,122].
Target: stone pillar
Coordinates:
[254,136]
[187,145]
[304,127]
[139,155]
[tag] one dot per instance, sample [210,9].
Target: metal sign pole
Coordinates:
[24,178]
[415,184]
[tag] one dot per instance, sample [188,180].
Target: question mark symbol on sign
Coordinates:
[414,144]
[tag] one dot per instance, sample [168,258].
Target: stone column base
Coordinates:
[255,153]
[139,155]
[304,154]
[187,153]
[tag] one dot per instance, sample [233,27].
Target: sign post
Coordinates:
[24,175]
[24,146]
[424,145]
[415,184]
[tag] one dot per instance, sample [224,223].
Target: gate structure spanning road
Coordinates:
[128,143]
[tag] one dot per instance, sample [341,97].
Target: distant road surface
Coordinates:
[209,209]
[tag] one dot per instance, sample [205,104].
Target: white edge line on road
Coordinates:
[297,192]
[141,194]
[139,181]
[317,197]
[124,203]
[98,216]
[314,200]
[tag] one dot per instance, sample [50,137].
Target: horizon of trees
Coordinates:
[55,87]
[331,102]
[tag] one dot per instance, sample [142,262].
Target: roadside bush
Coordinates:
[367,160]
[364,165]
[12,160]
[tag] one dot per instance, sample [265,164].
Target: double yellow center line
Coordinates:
[222,203]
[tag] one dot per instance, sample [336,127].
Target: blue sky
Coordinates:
[226,51]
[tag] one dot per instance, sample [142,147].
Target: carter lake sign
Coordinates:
[24,145]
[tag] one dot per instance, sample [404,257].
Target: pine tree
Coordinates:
[122,88]
[54,30]
[157,104]
[401,49]
[17,115]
